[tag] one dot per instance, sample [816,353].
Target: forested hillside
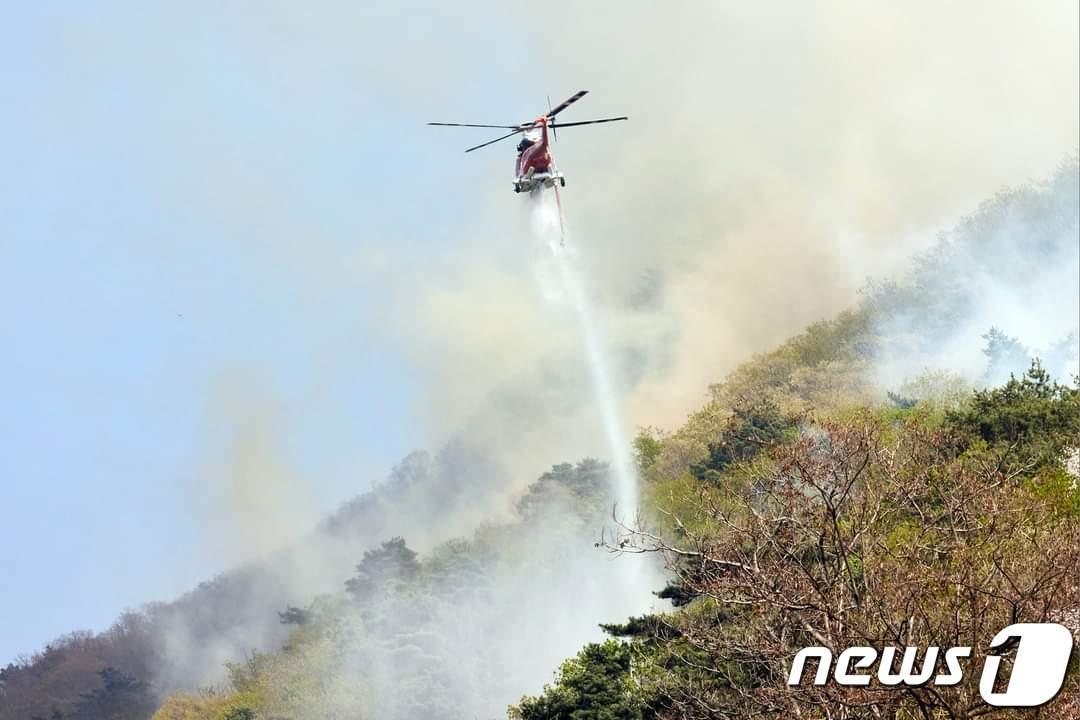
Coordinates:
[810,504]
[906,524]
[185,643]
[896,475]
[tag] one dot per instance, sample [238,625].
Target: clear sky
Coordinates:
[181,195]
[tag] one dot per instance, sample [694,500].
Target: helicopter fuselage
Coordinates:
[535,168]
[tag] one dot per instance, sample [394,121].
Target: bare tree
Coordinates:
[860,534]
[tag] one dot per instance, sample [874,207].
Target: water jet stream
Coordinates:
[549,226]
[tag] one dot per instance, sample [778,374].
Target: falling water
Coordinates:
[549,226]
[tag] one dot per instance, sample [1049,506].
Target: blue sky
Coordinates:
[181,196]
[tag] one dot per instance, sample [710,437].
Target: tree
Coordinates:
[293,615]
[595,685]
[121,697]
[383,569]
[1032,414]
[751,428]
[1004,355]
[586,487]
[648,445]
[858,534]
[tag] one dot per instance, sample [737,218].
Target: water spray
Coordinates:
[549,226]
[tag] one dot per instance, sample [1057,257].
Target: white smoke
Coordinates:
[1012,266]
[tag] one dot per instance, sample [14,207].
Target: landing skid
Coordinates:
[538,180]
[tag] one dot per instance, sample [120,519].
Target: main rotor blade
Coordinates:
[586,122]
[505,127]
[489,142]
[554,135]
[566,103]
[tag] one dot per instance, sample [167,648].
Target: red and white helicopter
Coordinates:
[535,168]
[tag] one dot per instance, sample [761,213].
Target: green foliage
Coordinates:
[304,679]
[204,707]
[1032,414]
[643,627]
[383,569]
[1059,487]
[121,697]
[751,428]
[457,568]
[900,402]
[647,447]
[584,487]
[938,389]
[240,713]
[595,685]
[678,594]
[819,367]
[683,497]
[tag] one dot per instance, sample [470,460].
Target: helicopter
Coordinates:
[534,168]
